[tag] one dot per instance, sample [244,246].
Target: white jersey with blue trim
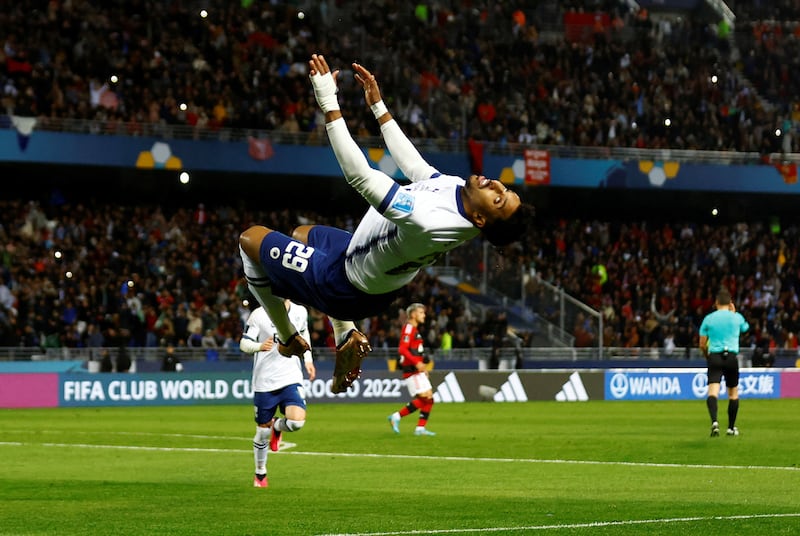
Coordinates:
[271,370]
[410,229]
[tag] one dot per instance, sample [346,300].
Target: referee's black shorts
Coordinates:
[723,364]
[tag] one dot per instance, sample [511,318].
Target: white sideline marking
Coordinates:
[405,456]
[533,460]
[594,524]
[105,433]
[284,444]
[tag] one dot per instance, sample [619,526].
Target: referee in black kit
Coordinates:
[719,342]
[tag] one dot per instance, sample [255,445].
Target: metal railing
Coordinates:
[325,354]
[564,312]
[442,145]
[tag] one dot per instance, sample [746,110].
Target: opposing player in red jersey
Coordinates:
[412,362]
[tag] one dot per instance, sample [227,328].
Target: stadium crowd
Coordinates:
[457,71]
[101,274]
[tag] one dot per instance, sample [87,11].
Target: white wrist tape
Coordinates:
[378,109]
[325,91]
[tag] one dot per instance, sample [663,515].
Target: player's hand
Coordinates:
[267,345]
[367,80]
[318,65]
[324,83]
[312,371]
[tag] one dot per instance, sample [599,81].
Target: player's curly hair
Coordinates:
[501,233]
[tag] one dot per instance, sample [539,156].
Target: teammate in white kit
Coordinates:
[277,383]
[352,276]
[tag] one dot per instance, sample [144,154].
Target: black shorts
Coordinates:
[723,364]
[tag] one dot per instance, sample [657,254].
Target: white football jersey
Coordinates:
[421,222]
[271,370]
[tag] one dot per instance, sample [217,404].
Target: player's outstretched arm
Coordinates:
[372,184]
[402,150]
[372,94]
[324,83]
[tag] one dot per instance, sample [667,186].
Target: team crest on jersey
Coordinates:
[404,203]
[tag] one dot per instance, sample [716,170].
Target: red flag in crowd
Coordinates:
[259,149]
[788,171]
[475,156]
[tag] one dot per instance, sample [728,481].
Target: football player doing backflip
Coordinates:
[352,276]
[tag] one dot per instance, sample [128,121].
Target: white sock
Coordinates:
[258,284]
[260,451]
[280,425]
[341,328]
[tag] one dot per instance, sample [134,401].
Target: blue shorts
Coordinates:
[265,404]
[314,274]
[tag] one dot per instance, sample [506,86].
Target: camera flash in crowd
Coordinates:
[203,13]
[184,177]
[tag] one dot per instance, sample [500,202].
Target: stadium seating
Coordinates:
[103,274]
[449,73]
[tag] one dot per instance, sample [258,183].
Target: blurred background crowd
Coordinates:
[83,275]
[458,70]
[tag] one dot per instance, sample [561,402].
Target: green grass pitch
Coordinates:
[493,469]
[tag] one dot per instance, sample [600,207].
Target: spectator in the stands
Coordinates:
[142,71]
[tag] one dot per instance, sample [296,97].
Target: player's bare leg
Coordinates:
[289,342]
[300,233]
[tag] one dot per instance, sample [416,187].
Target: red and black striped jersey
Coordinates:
[411,350]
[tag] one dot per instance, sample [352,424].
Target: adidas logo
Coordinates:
[573,390]
[511,390]
[449,390]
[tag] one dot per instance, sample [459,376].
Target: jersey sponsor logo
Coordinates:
[404,203]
